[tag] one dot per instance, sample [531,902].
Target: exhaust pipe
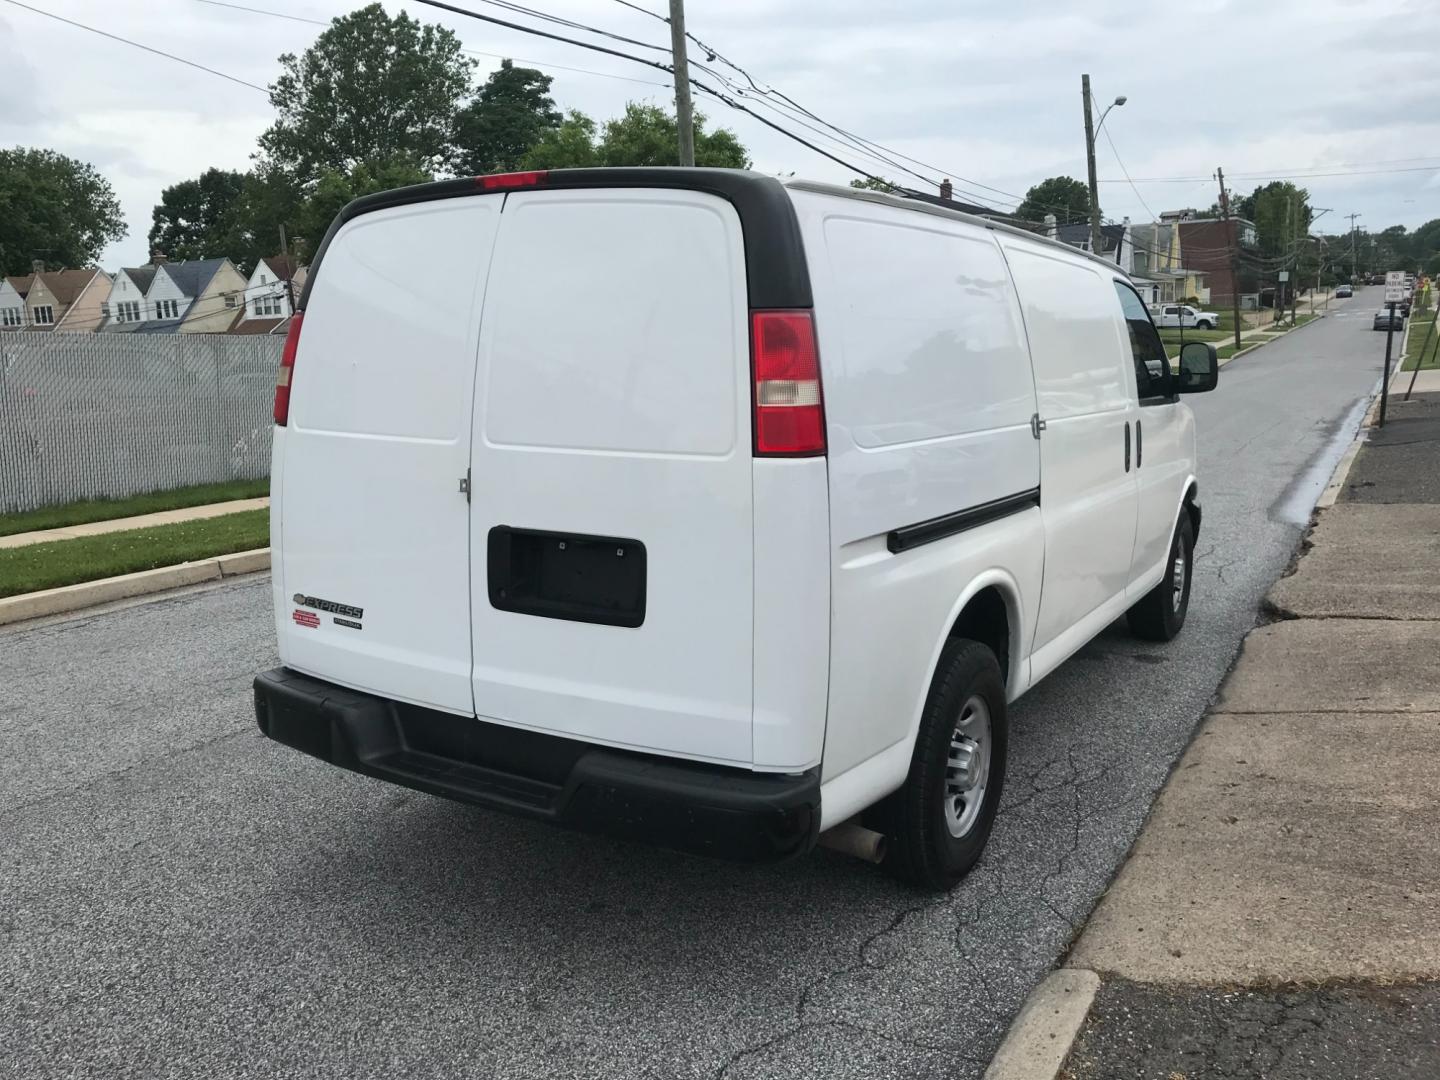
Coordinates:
[849,838]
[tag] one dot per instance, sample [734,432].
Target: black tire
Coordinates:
[920,846]
[1204,324]
[1160,613]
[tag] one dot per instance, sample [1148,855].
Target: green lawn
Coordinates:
[81,513]
[1421,324]
[65,562]
[1172,336]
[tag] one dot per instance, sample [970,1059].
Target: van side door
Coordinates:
[1164,438]
[1087,477]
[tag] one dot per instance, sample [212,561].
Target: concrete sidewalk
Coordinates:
[141,521]
[1280,914]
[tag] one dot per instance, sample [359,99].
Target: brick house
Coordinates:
[1207,243]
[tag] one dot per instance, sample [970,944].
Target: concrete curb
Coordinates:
[1336,484]
[89,593]
[1039,1041]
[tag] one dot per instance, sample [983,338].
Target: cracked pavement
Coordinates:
[182,898]
[1339,1032]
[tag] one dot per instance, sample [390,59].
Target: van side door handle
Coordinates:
[1127,445]
[1139,446]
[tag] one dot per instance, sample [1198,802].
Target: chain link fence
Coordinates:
[102,416]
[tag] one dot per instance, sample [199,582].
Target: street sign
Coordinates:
[1395,277]
[1284,275]
[1394,294]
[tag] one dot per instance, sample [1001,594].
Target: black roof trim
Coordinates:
[776,273]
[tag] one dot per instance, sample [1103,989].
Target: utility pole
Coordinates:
[682,83]
[289,275]
[1234,234]
[1295,284]
[1354,266]
[1090,165]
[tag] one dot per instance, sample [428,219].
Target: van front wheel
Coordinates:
[1160,613]
[936,825]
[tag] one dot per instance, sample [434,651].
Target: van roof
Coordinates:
[927,206]
[776,272]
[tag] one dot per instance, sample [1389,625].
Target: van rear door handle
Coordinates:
[1127,445]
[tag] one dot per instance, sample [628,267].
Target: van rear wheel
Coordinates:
[1160,613]
[937,824]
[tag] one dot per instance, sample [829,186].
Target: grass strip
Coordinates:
[82,513]
[1422,327]
[66,562]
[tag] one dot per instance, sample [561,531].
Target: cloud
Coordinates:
[985,90]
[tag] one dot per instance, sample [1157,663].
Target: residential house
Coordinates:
[1115,240]
[1157,269]
[64,300]
[12,302]
[1208,245]
[196,296]
[128,309]
[267,296]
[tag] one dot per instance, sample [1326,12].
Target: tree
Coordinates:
[508,117]
[370,88]
[648,135]
[1064,196]
[1281,214]
[645,135]
[874,183]
[571,145]
[197,219]
[53,208]
[335,188]
[270,198]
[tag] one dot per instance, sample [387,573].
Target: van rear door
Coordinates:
[374,556]
[611,521]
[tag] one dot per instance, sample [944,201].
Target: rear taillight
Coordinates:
[287,370]
[511,180]
[789,414]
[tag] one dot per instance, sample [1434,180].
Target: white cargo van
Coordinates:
[701,508]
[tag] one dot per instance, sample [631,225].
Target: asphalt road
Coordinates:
[181,898]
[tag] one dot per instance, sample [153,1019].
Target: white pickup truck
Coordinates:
[1175,315]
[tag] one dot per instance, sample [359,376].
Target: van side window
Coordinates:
[1152,367]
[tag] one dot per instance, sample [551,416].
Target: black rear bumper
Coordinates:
[708,810]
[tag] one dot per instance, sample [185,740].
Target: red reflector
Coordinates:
[789,412]
[507,181]
[286,374]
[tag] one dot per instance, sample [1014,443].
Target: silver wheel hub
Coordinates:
[1178,570]
[967,770]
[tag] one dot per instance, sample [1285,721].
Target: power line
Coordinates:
[468,51]
[1270,176]
[1126,171]
[441,5]
[521,9]
[136,44]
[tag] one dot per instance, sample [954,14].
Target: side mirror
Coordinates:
[1199,368]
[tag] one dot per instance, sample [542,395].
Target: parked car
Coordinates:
[705,509]
[1385,321]
[1177,315]
[1343,291]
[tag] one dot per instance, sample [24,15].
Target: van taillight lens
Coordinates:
[287,369]
[789,414]
[511,180]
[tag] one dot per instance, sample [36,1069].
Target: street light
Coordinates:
[1090,133]
[1118,101]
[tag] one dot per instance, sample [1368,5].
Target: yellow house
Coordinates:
[65,300]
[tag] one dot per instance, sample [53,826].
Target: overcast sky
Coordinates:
[988,93]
